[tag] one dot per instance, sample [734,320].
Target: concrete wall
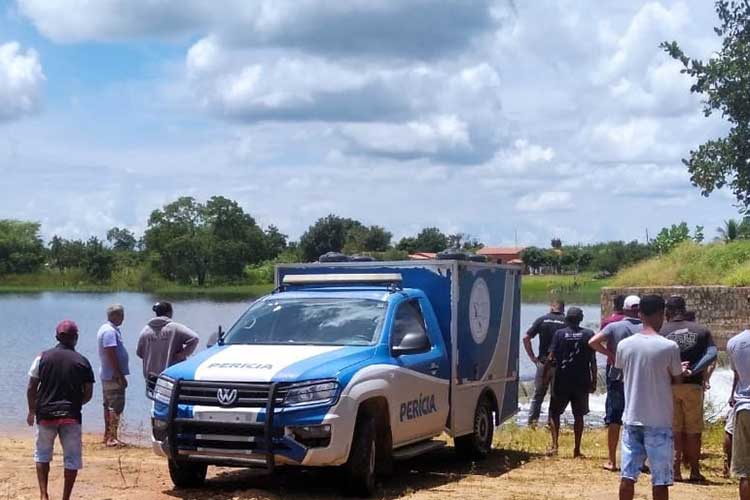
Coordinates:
[724,310]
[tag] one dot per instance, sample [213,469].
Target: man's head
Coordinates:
[116,314]
[574,316]
[618,303]
[652,311]
[689,315]
[67,333]
[557,306]
[631,305]
[162,309]
[676,307]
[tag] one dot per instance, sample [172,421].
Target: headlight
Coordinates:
[312,394]
[163,390]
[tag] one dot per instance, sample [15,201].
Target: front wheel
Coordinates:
[360,468]
[187,474]
[478,444]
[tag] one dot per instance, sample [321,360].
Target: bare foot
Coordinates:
[610,467]
[115,443]
[551,452]
[578,454]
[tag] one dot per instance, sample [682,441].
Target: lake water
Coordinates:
[28,323]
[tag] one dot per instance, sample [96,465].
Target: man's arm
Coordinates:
[31,392]
[600,343]
[140,349]
[188,341]
[708,357]
[551,359]
[594,370]
[676,368]
[531,333]
[88,392]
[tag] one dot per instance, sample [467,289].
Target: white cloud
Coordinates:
[21,79]
[548,201]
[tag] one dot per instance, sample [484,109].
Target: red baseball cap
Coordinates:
[66,326]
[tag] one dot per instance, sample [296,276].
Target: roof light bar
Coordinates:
[329,279]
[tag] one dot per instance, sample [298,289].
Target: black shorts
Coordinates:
[578,399]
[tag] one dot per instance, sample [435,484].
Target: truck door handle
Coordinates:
[434,366]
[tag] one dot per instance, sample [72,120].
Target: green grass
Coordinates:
[693,264]
[580,288]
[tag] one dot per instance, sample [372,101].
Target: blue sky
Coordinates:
[490,117]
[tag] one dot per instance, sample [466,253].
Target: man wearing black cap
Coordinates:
[60,383]
[575,376]
[545,327]
[697,352]
[164,342]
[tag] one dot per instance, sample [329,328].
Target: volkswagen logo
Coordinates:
[226,397]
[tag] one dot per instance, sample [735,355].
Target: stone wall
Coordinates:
[723,309]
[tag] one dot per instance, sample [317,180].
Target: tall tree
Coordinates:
[122,240]
[21,247]
[724,83]
[429,239]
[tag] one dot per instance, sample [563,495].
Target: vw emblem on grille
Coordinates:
[226,397]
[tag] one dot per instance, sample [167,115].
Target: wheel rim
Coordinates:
[371,459]
[483,427]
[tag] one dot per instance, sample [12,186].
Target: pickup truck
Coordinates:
[352,364]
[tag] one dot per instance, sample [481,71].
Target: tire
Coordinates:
[360,468]
[478,444]
[187,474]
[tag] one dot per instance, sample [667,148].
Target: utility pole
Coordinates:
[647,239]
[515,237]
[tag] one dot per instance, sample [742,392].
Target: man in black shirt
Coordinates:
[697,352]
[544,326]
[575,376]
[60,383]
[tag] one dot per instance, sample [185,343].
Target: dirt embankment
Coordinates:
[510,473]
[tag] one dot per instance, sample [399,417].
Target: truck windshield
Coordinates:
[309,321]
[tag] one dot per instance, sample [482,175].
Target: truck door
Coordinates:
[421,389]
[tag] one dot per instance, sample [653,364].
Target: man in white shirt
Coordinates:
[650,364]
[738,349]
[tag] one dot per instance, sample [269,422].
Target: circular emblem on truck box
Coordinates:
[479,310]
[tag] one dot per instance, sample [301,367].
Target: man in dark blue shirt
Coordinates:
[545,327]
[575,376]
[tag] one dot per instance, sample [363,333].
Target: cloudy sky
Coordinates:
[539,118]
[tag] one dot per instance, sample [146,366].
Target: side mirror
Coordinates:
[215,338]
[412,343]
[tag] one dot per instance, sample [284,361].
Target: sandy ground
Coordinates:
[136,474]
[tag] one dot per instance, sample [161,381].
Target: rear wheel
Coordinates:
[187,474]
[478,444]
[360,469]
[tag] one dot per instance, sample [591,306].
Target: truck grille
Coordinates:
[249,395]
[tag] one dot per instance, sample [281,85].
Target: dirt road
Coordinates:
[510,473]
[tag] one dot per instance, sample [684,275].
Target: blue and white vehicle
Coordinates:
[351,364]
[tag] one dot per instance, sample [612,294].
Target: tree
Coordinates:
[464,241]
[724,84]
[193,240]
[556,243]
[698,235]
[429,239]
[360,238]
[275,242]
[328,234]
[533,258]
[21,247]
[122,240]
[670,237]
[98,261]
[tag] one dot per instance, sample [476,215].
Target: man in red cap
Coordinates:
[60,383]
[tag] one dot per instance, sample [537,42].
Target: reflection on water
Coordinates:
[29,320]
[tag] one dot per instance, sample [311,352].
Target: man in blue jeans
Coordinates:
[650,365]
[606,342]
[60,383]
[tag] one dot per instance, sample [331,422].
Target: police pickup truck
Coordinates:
[353,364]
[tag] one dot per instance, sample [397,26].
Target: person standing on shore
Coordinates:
[574,379]
[61,381]
[164,342]
[650,364]
[698,352]
[618,304]
[114,370]
[544,326]
[738,349]
[606,342]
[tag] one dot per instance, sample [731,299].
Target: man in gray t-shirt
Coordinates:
[606,342]
[738,349]
[650,364]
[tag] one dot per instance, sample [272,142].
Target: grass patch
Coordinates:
[580,288]
[693,264]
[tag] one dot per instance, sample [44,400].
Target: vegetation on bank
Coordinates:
[581,288]
[692,264]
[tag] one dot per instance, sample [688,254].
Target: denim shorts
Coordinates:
[615,403]
[655,443]
[70,438]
